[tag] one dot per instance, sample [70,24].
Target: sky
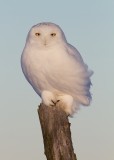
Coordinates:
[89,26]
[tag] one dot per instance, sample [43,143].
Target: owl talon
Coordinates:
[54,103]
[57,102]
[48,98]
[66,103]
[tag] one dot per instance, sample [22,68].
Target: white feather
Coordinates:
[51,64]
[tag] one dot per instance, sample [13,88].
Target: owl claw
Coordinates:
[48,98]
[54,103]
[66,103]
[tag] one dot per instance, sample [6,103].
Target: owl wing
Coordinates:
[86,73]
[78,58]
[74,52]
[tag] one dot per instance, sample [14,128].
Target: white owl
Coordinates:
[55,69]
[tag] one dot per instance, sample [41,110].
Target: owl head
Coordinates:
[46,35]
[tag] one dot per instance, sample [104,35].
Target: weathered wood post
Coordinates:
[56,133]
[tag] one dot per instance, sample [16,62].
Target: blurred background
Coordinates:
[89,26]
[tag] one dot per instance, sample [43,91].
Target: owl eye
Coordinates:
[53,34]
[37,34]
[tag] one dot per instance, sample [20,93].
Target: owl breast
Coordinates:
[43,68]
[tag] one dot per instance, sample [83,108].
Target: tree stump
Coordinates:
[56,133]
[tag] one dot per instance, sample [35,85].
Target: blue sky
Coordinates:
[89,26]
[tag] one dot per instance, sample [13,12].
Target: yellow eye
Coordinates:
[53,34]
[37,34]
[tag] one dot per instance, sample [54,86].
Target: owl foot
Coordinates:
[66,102]
[48,98]
[54,103]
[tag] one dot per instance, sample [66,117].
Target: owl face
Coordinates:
[46,35]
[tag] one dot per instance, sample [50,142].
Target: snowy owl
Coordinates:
[55,68]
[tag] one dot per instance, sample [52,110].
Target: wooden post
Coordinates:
[56,133]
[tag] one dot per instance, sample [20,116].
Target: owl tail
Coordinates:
[84,100]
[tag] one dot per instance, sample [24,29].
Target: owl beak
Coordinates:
[45,42]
